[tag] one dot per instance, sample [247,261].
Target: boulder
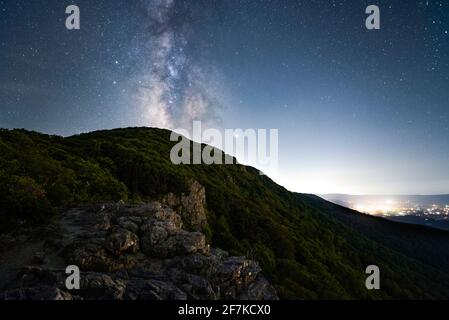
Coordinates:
[191,242]
[234,274]
[92,256]
[164,241]
[121,240]
[130,223]
[99,286]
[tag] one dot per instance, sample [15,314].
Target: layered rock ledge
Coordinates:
[128,252]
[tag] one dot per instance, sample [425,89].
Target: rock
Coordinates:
[91,255]
[157,244]
[163,236]
[141,289]
[147,209]
[234,274]
[158,234]
[98,286]
[191,242]
[138,252]
[197,263]
[171,227]
[194,206]
[35,283]
[130,223]
[168,215]
[260,289]
[155,236]
[103,222]
[36,293]
[131,226]
[32,275]
[164,239]
[195,286]
[191,206]
[121,240]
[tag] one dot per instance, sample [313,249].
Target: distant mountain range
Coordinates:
[307,247]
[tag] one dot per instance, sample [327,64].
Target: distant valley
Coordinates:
[428,210]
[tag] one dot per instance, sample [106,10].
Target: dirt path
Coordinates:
[20,255]
[13,260]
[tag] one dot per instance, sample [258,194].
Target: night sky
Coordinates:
[358,111]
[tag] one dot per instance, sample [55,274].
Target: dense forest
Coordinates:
[307,247]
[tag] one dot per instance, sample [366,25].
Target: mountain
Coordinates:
[307,247]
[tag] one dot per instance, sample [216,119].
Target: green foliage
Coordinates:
[22,199]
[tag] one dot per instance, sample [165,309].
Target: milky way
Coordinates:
[174,90]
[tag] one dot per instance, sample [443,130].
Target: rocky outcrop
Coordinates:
[163,236]
[129,252]
[192,207]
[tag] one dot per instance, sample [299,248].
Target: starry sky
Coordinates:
[358,111]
